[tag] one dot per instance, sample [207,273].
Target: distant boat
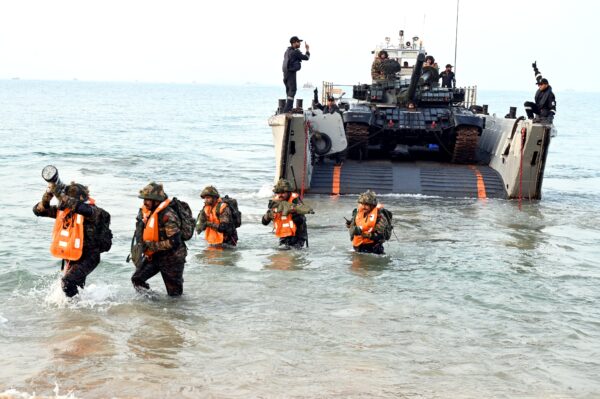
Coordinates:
[308,85]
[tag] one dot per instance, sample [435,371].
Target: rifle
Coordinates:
[348,222]
[136,253]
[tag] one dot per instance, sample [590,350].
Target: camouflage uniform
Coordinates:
[296,208]
[376,72]
[170,249]
[380,226]
[76,270]
[226,222]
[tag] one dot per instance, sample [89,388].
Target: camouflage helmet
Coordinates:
[209,191]
[282,186]
[368,198]
[153,191]
[78,191]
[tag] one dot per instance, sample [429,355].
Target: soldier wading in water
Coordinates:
[216,219]
[80,232]
[287,211]
[371,224]
[162,248]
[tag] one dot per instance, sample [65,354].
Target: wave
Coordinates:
[15,394]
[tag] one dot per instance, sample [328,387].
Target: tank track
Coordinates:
[467,138]
[357,135]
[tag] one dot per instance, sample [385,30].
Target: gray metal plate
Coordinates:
[427,178]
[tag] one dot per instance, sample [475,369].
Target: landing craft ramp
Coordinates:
[426,178]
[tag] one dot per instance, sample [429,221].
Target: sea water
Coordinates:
[472,298]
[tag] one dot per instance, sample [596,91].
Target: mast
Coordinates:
[456,35]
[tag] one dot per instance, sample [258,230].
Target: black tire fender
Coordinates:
[321,143]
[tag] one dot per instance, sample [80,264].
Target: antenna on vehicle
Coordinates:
[423,28]
[456,36]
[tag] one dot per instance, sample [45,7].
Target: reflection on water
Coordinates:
[76,344]
[369,264]
[157,342]
[286,259]
[218,256]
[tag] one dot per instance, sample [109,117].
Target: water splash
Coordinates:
[93,296]
[265,191]
[15,394]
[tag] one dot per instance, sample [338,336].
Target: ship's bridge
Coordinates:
[404,52]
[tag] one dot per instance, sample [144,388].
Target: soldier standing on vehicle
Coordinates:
[162,243]
[330,108]
[545,102]
[216,219]
[287,211]
[371,225]
[376,71]
[292,62]
[448,78]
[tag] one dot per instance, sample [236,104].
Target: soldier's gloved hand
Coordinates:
[151,246]
[357,231]
[47,197]
[201,226]
[348,223]
[534,65]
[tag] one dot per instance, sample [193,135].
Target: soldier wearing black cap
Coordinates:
[292,62]
[545,102]
[330,108]
[447,76]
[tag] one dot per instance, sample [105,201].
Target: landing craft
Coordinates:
[405,134]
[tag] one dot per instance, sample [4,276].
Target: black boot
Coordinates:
[529,113]
[288,106]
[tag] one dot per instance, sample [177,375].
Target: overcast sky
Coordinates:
[236,41]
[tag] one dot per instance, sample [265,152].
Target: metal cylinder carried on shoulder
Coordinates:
[50,174]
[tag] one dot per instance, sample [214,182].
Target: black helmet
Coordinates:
[78,191]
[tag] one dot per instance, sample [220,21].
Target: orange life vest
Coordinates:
[212,235]
[67,235]
[151,223]
[367,224]
[284,225]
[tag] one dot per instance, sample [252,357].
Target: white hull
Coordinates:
[503,170]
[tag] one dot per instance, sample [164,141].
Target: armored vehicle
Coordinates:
[405,134]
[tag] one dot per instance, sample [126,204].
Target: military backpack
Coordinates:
[188,222]
[389,227]
[102,233]
[235,211]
